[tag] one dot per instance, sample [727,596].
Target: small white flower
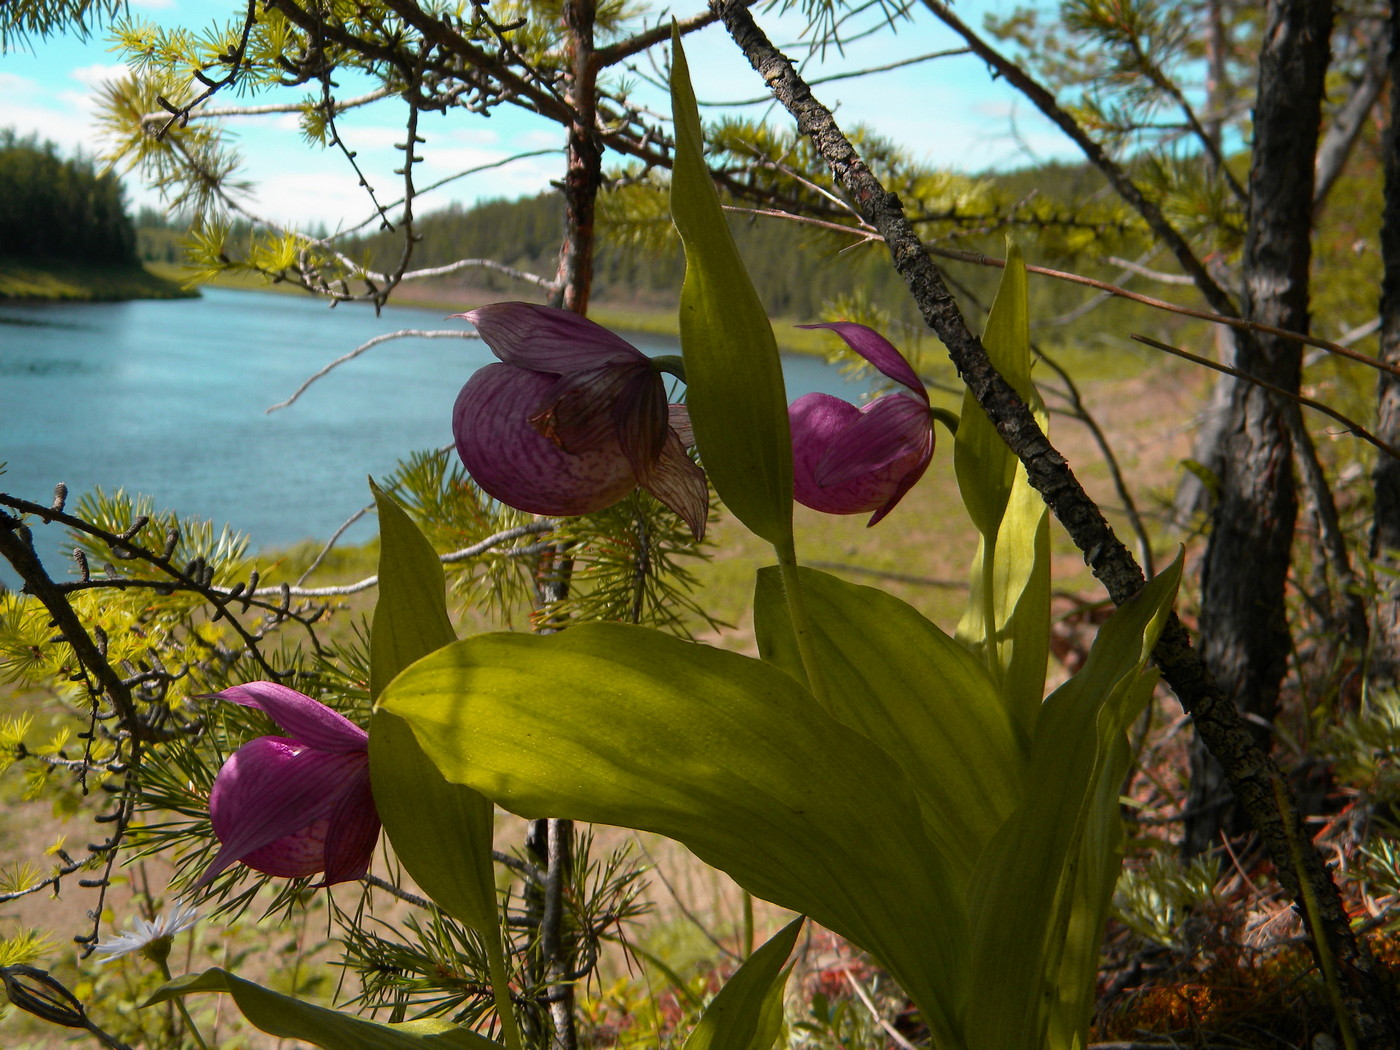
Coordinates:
[149,933]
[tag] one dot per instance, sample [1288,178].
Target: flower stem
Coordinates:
[746,946]
[180,1005]
[500,988]
[801,623]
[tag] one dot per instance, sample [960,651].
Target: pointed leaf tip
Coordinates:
[735,391]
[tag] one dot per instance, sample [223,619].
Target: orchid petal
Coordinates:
[577,412]
[677,481]
[640,419]
[546,339]
[615,406]
[353,832]
[293,856]
[906,482]
[515,464]
[678,419]
[311,722]
[849,461]
[888,429]
[878,350]
[271,788]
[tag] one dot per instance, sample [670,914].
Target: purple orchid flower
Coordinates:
[849,460]
[295,805]
[572,420]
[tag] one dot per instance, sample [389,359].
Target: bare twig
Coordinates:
[1230,320]
[890,1030]
[1353,427]
[329,545]
[403,333]
[1340,348]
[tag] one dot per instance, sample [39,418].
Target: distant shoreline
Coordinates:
[68,281]
[620,316]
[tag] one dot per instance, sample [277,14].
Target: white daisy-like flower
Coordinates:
[149,934]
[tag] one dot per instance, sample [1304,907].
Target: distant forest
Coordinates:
[57,208]
[1061,214]
[802,273]
[798,271]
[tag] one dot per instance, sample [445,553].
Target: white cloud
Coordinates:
[303,199]
[65,126]
[543,138]
[93,77]
[18,86]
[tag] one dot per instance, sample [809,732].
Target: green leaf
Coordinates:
[924,699]
[441,832]
[743,1015]
[1008,616]
[984,465]
[410,617]
[616,724]
[734,376]
[1096,876]
[287,1018]
[1024,893]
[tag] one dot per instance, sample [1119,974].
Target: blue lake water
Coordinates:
[169,398]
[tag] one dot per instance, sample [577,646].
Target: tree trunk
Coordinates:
[1244,633]
[1383,671]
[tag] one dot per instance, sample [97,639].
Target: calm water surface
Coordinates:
[169,398]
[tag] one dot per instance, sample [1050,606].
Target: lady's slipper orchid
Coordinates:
[572,420]
[295,805]
[849,460]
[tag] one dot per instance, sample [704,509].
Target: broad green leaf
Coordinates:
[288,1018]
[1096,875]
[742,1015]
[615,724]
[440,831]
[1007,621]
[1024,890]
[916,693]
[734,377]
[410,616]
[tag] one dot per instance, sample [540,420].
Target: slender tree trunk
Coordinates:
[1244,633]
[552,841]
[1217,90]
[1383,671]
[584,174]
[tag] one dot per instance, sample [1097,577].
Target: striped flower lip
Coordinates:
[296,805]
[849,460]
[572,419]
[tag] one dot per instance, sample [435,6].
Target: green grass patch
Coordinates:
[66,280]
[188,277]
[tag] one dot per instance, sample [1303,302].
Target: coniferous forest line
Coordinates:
[53,207]
[801,272]
[56,211]
[65,231]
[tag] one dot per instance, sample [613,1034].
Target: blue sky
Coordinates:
[948,111]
